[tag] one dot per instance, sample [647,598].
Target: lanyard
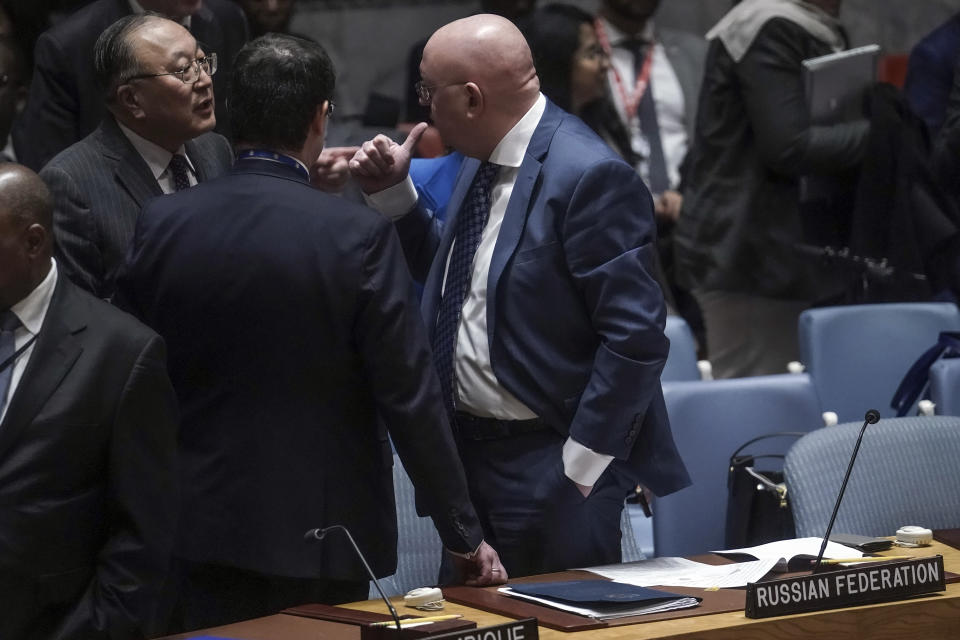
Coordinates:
[273,156]
[631,101]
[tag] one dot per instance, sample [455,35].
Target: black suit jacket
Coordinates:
[99,186]
[87,482]
[293,326]
[66,102]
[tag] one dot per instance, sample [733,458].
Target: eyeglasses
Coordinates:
[425,91]
[189,74]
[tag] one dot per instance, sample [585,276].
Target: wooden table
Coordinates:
[926,617]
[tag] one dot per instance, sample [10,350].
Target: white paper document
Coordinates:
[680,572]
[783,551]
[608,612]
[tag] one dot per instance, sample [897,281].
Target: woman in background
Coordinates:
[572,67]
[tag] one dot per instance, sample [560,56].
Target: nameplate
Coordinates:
[525,629]
[864,584]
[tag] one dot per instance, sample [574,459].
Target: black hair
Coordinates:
[553,33]
[277,84]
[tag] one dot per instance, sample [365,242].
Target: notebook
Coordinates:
[600,599]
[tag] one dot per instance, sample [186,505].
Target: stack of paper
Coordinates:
[680,572]
[600,599]
[792,555]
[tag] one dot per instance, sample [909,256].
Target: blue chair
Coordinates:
[907,473]
[945,386]
[710,420]
[682,360]
[857,354]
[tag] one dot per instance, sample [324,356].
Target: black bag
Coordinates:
[757,506]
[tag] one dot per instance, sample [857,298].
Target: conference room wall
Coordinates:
[370,39]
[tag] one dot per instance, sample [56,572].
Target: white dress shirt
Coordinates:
[667,97]
[158,159]
[31,311]
[478,390]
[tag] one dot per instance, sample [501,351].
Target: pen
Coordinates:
[873,559]
[405,621]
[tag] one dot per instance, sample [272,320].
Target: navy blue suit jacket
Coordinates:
[930,73]
[292,329]
[574,314]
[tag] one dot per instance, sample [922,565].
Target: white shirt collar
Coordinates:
[136,7]
[156,157]
[510,150]
[32,309]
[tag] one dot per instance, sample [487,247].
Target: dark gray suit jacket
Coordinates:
[88,499]
[686,53]
[99,186]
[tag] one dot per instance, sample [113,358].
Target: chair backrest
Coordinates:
[682,360]
[905,474]
[418,546]
[945,386]
[857,354]
[710,420]
[629,544]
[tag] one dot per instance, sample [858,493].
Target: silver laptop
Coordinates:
[835,83]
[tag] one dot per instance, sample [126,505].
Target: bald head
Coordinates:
[26,221]
[24,196]
[487,62]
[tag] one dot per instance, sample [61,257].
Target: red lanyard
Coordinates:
[631,101]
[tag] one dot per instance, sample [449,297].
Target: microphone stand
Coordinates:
[872,417]
[318,534]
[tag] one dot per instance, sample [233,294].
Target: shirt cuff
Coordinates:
[582,465]
[396,201]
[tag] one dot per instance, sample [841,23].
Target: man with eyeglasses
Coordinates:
[545,320]
[65,100]
[155,139]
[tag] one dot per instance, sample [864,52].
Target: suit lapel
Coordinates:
[130,168]
[202,162]
[518,208]
[56,350]
[434,282]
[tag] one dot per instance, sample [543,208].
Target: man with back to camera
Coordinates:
[66,102]
[88,428]
[546,324]
[293,330]
[154,140]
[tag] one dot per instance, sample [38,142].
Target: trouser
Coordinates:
[532,514]
[749,335]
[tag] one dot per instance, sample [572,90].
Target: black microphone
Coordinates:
[871,417]
[318,534]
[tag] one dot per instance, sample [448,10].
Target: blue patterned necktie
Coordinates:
[180,169]
[470,223]
[9,323]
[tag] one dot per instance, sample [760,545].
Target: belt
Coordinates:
[471,427]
